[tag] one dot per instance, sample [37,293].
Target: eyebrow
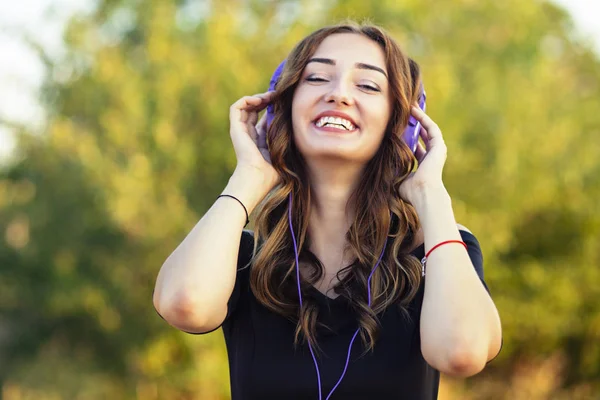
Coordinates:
[329,61]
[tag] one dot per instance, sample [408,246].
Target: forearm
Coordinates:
[460,326]
[197,279]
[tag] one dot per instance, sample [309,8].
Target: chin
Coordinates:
[335,155]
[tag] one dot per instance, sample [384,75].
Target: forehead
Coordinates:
[351,48]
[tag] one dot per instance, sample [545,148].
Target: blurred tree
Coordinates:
[137,148]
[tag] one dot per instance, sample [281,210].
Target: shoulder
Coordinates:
[463,228]
[247,235]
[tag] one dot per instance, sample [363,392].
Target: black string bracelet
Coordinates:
[238,200]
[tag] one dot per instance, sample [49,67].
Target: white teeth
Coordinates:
[337,121]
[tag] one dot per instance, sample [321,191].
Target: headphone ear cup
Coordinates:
[272,85]
[411,133]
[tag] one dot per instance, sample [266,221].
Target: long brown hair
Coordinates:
[381,215]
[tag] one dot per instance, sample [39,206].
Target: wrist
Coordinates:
[248,186]
[430,196]
[436,216]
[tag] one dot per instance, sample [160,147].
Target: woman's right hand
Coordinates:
[249,137]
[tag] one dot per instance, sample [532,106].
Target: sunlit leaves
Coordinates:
[137,147]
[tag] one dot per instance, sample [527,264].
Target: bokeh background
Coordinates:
[132,147]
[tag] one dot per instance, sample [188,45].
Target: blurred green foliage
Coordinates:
[137,147]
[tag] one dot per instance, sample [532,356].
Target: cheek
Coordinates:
[300,110]
[296,122]
[296,107]
[380,116]
[378,124]
[296,118]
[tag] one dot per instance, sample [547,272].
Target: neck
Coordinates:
[331,213]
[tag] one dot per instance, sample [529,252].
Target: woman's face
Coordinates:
[342,105]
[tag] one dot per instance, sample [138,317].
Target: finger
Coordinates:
[261,129]
[240,110]
[261,126]
[258,107]
[420,153]
[251,125]
[252,118]
[266,96]
[257,128]
[243,116]
[433,131]
[256,102]
[424,136]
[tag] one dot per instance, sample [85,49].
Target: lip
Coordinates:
[334,113]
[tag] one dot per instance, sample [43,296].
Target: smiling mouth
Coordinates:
[335,123]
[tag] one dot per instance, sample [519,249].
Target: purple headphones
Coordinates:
[411,137]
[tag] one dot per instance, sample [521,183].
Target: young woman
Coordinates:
[346,217]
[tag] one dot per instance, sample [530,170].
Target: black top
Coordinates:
[264,365]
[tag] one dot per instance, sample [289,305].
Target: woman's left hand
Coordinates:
[432,158]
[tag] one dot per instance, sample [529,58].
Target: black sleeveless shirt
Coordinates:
[264,364]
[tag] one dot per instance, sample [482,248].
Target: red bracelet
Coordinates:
[424,260]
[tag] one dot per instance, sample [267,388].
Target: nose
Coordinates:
[339,93]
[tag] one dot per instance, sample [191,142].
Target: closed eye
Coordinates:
[316,79]
[364,87]
[369,87]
